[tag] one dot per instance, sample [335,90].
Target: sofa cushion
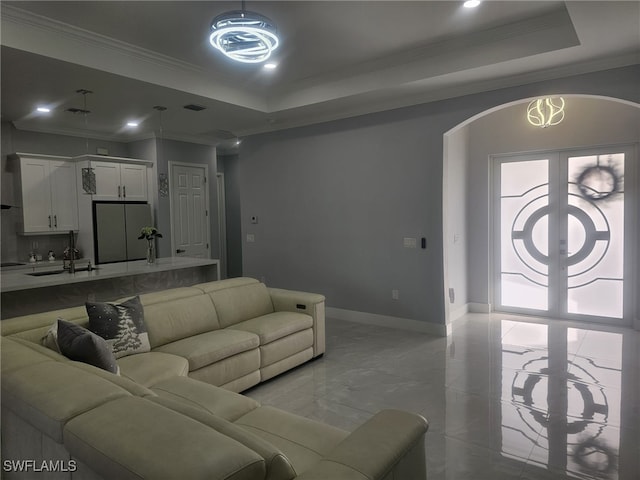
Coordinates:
[207,348]
[274,326]
[123,382]
[235,373]
[150,368]
[302,440]
[48,394]
[278,465]
[209,287]
[41,322]
[121,325]
[163,296]
[178,319]
[206,397]
[16,353]
[237,304]
[134,438]
[78,343]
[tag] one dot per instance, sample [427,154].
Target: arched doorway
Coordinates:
[471,152]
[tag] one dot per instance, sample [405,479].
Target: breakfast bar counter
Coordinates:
[33,289]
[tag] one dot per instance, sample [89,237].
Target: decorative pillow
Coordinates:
[50,340]
[122,326]
[78,343]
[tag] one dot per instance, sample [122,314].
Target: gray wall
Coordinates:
[334,201]
[455,179]
[228,164]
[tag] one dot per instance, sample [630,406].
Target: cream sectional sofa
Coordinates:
[232,333]
[173,412]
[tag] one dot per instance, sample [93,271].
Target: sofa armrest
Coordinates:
[389,445]
[311,304]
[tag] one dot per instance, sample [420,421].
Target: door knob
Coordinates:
[180,250]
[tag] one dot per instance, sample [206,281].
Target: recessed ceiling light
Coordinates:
[132,124]
[471,3]
[43,109]
[270,66]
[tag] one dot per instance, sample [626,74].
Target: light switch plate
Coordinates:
[410,242]
[251,238]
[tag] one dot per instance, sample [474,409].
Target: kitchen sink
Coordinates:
[58,272]
[42,274]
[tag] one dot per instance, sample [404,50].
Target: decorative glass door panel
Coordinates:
[595,235]
[524,231]
[561,234]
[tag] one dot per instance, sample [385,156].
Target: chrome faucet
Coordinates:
[72,253]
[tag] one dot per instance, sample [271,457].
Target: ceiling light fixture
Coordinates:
[132,124]
[244,36]
[270,66]
[471,3]
[43,109]
[545,112]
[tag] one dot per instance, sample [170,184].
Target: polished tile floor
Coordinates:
[506,397]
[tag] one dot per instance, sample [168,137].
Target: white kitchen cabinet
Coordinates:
[120,181]
[48,194]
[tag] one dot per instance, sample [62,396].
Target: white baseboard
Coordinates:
[458,312]
[439,330]
[479,307]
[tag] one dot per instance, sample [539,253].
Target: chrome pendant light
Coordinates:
[244,36]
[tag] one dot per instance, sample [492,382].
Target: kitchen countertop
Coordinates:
[18,278]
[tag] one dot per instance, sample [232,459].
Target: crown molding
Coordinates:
[69,132]
[45,36]
[114,137]
[451,90]
[24,18]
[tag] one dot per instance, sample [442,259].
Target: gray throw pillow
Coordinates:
[79,344]
[122,326]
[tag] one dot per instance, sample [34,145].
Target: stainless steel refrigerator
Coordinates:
[116,227]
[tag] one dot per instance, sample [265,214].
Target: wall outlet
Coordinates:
[395,294]
[251,238]
[452,295]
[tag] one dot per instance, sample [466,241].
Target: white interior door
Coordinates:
[189,210]
[561,238]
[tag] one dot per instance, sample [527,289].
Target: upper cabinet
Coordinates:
[120,181]
[47,190]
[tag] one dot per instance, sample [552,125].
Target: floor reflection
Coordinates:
[506,397]
[562,397]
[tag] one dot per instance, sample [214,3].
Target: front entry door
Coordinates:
[189,210]
[561,239]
